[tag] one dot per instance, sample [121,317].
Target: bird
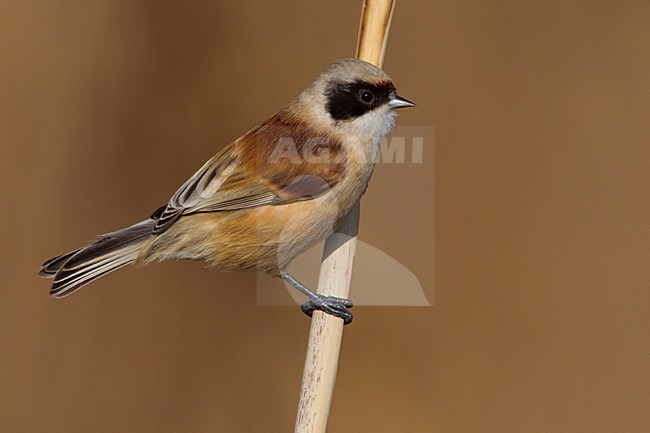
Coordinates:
[267,196]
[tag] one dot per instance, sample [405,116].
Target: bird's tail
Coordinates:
[111,251]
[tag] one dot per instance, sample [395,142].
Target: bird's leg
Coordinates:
[329,304]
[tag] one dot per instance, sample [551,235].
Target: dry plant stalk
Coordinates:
[319,374]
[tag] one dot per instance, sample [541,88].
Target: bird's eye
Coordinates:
[366,96]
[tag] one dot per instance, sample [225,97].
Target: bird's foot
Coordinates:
[337,307]
[332,305]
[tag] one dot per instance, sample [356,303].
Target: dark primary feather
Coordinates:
[192,192]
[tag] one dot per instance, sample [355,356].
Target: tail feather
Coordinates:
[110,252]
[52,266]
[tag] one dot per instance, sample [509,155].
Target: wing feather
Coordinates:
[253,171]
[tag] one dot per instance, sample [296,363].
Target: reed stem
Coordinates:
[326,333]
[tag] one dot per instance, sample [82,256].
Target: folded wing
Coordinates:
[281,161]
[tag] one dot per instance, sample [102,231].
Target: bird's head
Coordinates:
[354,97]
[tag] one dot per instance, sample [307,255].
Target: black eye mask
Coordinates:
[351,100]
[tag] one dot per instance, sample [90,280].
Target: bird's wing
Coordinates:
[279,162]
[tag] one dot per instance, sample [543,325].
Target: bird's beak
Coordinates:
[397,101]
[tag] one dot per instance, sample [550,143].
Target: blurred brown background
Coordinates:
[539,325]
